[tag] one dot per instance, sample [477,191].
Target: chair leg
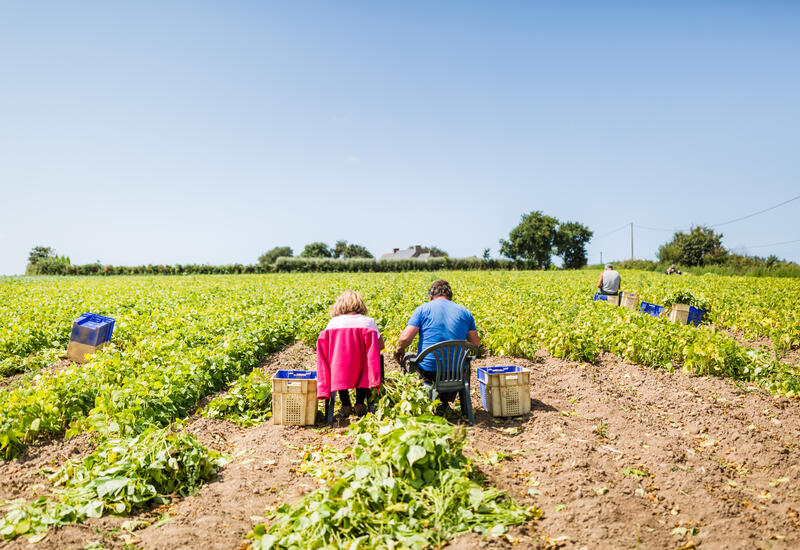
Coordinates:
[466,403]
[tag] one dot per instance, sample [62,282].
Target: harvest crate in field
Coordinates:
[686,315]
[630,300]
[505,391]
[90,332]
[611,299]
[651,309]
[294,397]
[679,313]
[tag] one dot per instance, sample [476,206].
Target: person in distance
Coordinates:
[437,320]
[349,354]
[610,281]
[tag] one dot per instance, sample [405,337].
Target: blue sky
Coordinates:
[200,132]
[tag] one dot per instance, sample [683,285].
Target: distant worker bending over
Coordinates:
[610,281]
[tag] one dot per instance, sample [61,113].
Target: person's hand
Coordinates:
[398,355]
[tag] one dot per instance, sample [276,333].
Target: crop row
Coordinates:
[178,339]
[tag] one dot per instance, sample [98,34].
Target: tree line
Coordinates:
[531,244]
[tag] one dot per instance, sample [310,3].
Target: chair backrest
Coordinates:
[452,358]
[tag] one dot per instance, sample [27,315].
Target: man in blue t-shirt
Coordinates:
[436,321]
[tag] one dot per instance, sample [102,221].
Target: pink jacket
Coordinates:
[348,356]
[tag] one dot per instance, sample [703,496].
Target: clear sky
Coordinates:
[209,132]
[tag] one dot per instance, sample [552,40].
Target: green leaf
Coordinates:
[415,453]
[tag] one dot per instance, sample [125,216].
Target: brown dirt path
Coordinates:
[616,455]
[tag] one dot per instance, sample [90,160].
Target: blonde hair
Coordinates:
[348,302]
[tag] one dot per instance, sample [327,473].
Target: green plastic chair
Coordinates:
[453,367]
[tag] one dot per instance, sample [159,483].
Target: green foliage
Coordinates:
[122,475]
[43,260]
[405,484]
[39,253]
[180,339]
[735,264]
[316,250]
[269,257]
[538,237]
[531,242]
[344,250]
[570,243]
[176,340]
[434,251]
[305,265]
[247,402]
[685,297]
[701,246]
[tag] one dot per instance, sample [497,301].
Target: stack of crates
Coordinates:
[505,391]
[90,332]
[294,397]
[611,299]
[630,300]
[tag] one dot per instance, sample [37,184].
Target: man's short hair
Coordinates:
[609,266]
[440,288]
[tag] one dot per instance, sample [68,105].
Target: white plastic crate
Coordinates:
[505,391]
[294,397]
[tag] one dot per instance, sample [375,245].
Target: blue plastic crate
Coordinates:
[296,375]
[483,374]
[651,309]
[695,316]
[604,297]
[92,329]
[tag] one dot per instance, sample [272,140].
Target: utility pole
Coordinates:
[631,241]
[601,257]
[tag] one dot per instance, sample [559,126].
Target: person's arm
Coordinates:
[473,338]
[406,337]
[600,282]
[381,342]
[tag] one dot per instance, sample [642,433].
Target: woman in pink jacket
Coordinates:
[349,353]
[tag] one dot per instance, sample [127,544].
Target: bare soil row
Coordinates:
[616,456]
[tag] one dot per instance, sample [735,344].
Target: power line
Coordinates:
[653,228]
[772,244]
[614,231]
[756,213]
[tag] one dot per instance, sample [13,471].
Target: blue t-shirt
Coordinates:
[440,320]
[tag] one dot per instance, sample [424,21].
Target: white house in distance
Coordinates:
[413,253]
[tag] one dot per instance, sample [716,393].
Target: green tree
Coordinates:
[357,251]
[344,250]
[43,260]
[269,257]
[434,251]
[700,246]
[531,242]
[316,250]
[339,249]
[570,243]
[38,253]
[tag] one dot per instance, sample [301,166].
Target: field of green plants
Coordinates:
[179,339]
